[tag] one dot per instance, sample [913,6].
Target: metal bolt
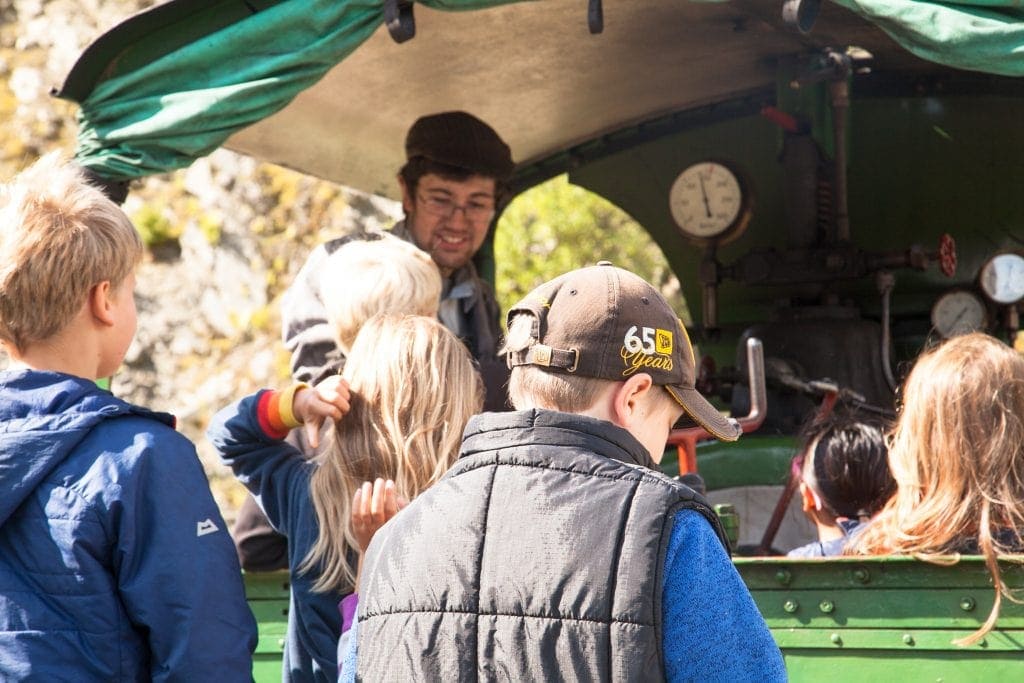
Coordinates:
[908,639]
[791,606]
[861,575]
[836,639]
[967,603]
[783,576]
[826,606]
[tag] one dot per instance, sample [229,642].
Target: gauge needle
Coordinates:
[959,315]
[704,193]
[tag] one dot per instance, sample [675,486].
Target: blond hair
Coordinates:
[386,275]
[59,237]
[414,386]
[530,386]
[957,454]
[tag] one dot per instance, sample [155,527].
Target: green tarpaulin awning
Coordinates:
[172,84]
[184,104]
[978,35]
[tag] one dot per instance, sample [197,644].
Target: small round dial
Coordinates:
[958,311]
[709,203]
[1002,278]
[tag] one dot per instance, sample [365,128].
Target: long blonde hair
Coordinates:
[413,388]
[957,454]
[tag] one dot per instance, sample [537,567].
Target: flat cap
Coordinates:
[459,139]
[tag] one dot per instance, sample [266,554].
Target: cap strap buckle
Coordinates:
[545,356]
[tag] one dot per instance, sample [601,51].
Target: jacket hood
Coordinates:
[43,417]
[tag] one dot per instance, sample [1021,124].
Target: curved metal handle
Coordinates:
[758,392]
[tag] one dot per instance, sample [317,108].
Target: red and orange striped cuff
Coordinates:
[274,411]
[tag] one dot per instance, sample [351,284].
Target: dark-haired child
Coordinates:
[846,480]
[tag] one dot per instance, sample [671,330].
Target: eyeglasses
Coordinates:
[444,207]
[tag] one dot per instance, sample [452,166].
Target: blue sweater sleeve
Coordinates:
[273,470]
[712,629]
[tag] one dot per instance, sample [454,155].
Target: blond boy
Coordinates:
[367,277]
[114,561]
[554,549]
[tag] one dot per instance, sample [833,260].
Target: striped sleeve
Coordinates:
[274,411]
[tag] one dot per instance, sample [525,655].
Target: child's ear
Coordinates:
[811,503]
[629,400]
[100,304]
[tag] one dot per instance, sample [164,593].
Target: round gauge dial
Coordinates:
[958,311]
[1002,278]
[709,203]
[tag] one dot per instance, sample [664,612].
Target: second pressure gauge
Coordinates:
[958,311]
[710,203]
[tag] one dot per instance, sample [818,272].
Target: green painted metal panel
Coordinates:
[262,585]
[850,619]
[751,461]
[268,595]
[911,640]
[870,607]
[875,666]
[873,572]
[888,618]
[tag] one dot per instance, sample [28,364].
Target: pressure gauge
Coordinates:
[710,203]
[1002,278]
[958,311]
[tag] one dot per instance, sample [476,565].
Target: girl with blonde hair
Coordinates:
[957,454]
[407,390]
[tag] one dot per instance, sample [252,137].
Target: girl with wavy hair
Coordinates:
[398,411]
[957,454]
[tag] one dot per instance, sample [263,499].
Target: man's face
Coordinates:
[448,219]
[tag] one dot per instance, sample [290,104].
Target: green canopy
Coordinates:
[979,35]
[184,104]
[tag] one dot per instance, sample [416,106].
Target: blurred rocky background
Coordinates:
[226,236]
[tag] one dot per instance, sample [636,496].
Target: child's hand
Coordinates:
[329,399]
[373,505]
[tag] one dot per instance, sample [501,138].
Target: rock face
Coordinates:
[225,236]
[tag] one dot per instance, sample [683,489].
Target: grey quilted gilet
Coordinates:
[539,556]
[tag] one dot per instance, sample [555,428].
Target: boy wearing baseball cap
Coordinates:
[554,549]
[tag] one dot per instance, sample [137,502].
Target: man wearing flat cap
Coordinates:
[456,171]
[454,175]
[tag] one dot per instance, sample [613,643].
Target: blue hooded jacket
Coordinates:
[115,563]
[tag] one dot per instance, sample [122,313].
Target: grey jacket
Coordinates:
[539,556]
